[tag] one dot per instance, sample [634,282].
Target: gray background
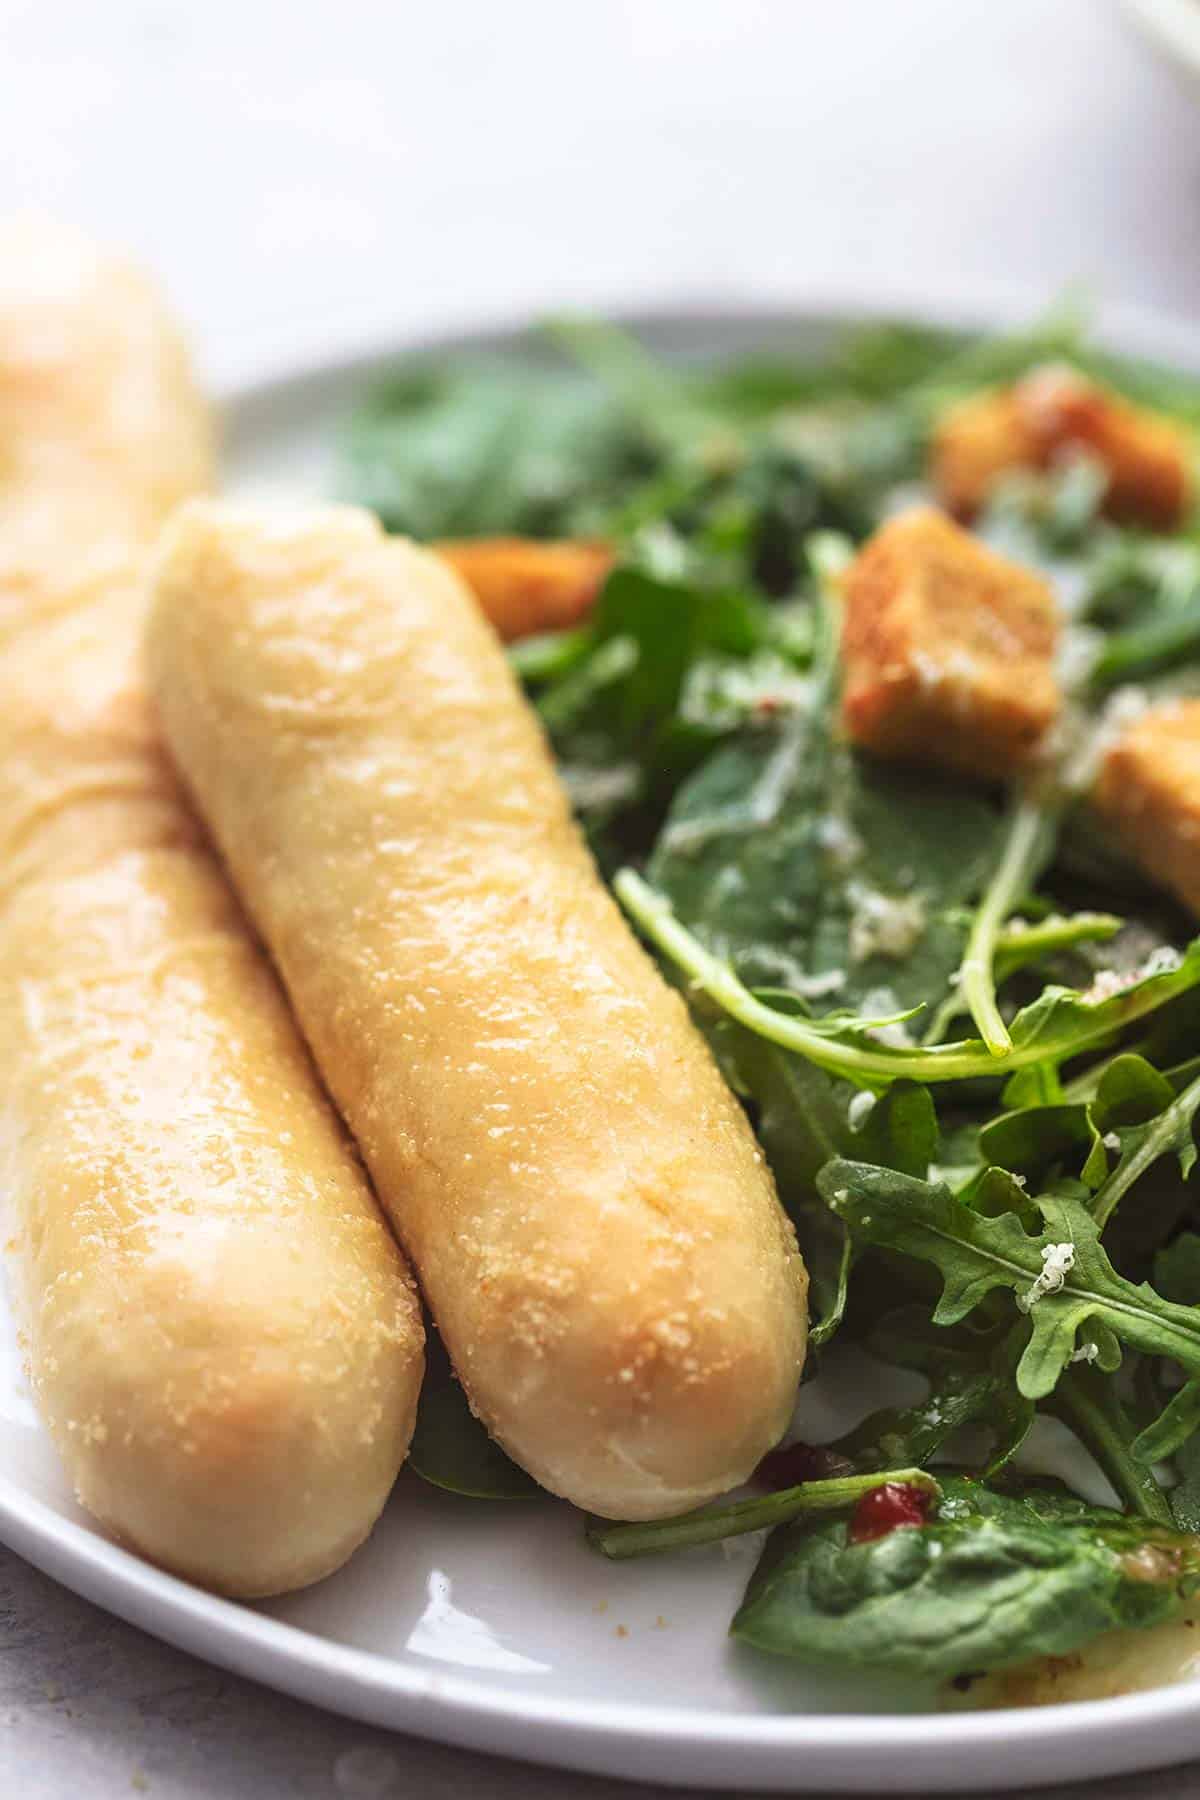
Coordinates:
[308,175]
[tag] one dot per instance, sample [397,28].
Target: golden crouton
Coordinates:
[1148,790]
[947,648]
[1051,413]
[524,586]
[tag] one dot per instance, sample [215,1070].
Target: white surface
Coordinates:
[304,170]
[1173,28]
[300,171]
[494,1626]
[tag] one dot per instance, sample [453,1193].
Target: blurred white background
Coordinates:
[312,172]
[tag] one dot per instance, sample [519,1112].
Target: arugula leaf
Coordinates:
[1176,1423]
[1171,1131]
[900,1131]
[450,1448]
[1177,1276]
[991,1580]
[1033,1139]
[1060,1024]
[1177,1269]
[975,1255]
[624,712]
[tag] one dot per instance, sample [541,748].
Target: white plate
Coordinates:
[494,1627]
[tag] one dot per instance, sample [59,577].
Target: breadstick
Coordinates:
[222,1336]
[594,1226]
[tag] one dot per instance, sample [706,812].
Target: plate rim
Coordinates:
[843,1751]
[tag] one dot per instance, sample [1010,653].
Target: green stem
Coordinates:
[650,393]
[1024,852]
[1133,654]
[1148,1151]
[1015,948]
[623,1541]
[961,1061]
[549,654]
[1090,1405]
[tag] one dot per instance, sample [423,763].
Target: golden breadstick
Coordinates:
[593,1223]
[222,1336]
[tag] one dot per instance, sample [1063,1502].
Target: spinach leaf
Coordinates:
[802,1119]
[991,1580]
[1061,1277]
[811,868]
[450,1448]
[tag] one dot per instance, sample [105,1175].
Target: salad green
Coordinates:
[962,1022]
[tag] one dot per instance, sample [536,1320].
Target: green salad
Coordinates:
[963,1021]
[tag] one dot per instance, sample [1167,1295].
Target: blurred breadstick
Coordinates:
[222,1337]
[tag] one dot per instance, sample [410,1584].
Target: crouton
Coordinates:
[947,649]
[1148,790]
[1050,414]
[524,586]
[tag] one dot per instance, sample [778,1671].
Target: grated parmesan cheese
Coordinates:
[1057,1262]
[815,987]
[881,925]
[1109,982]
[840,842]
[859,1109]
